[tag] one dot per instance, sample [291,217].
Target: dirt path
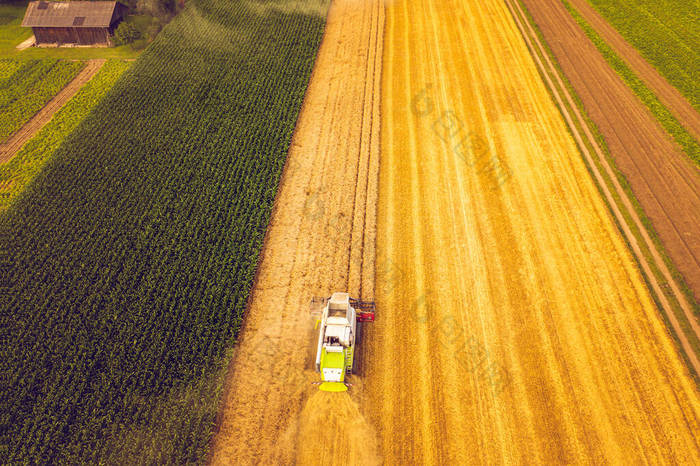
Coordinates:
[669,95]
[520,329]
[320,240]
[25,44]
[14,143]
[662,178]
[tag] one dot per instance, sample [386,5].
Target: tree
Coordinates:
[126,33]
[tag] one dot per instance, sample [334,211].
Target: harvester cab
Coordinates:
[340,318]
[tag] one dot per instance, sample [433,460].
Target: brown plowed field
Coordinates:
[513,323]
[662,178]
[19,138]
[320,239]
[669,95]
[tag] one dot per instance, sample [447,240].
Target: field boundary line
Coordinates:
[19,138]
[605,189]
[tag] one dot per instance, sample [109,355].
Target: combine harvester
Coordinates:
[339,332]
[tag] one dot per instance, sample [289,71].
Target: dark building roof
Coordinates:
[70,14]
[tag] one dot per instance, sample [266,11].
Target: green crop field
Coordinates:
[21,169]
[26,86]
[129,258]
[667,34]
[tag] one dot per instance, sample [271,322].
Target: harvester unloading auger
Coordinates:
[338,334]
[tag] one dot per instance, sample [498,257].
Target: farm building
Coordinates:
[73,23]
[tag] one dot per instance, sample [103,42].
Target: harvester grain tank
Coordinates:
[338,336]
